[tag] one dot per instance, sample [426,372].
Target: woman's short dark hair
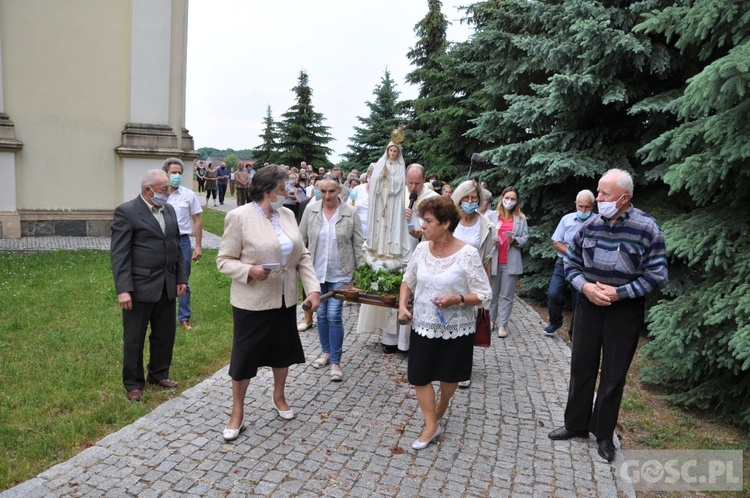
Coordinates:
[267,179]
[442,208]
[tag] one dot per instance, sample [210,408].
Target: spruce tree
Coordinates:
[701,345]
[558,80]
[386,113]
[267,151]
[426,57]
[302,135]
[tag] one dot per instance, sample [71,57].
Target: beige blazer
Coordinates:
[249,239]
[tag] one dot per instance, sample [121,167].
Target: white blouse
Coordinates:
[326,261]
[472,235]
[429,277]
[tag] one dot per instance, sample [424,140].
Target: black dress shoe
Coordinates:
[606,449]
[562,433]
[389,349]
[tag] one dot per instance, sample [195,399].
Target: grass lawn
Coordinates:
[61,354]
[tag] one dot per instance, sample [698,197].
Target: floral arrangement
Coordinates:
[379,282]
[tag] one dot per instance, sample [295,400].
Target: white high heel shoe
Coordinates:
[419,445]
[232,434]
[285,414]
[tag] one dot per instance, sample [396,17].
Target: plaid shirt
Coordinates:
[627,253]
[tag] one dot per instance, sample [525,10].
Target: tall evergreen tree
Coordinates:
[449,98]
[386,113]
[302,135]
[267,151]
[426,56]
[701,343]
[561,76]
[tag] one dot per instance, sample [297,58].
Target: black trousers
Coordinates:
[222,192]
[610,333]
[161,316]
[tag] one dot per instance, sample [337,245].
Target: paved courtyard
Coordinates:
[353,438]
[350,438]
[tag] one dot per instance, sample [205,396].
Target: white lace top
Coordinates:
[429,277]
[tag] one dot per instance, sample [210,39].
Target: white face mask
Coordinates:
[278,204]
[508,204]
[608,209]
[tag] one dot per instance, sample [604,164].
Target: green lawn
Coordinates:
[61,354]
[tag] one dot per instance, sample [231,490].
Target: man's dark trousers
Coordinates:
[610,332]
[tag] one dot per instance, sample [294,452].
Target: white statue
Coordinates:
[387,245]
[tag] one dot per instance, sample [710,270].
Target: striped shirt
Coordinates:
[628,253]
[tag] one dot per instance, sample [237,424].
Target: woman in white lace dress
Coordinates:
[448,280]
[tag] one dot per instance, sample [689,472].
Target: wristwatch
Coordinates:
[461,297]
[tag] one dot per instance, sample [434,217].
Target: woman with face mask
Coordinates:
[263,252]
[473,228]
[512,234]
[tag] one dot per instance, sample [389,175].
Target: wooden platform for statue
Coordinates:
[344,293]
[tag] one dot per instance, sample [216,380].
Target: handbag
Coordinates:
[482,333]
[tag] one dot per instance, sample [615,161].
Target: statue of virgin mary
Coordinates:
[387,245]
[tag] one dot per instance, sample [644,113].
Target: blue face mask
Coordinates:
[317,194]
[175,180]
[583,215]
[469,207]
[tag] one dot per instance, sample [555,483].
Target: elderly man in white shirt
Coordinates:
[188,209]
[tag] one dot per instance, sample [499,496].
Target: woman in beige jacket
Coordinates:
[262,251]
[332,231]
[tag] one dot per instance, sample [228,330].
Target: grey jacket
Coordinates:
[348,234]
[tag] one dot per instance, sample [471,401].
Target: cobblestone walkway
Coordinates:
[353,438]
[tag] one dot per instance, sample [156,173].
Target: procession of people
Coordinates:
[455,252]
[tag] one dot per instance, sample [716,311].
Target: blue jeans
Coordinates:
[331,323]
[556,295]
[183,307]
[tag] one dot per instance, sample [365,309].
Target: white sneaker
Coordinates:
[502,331]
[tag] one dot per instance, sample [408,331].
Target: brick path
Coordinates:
[351,438]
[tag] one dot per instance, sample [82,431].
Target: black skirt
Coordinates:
[445,360]
[267,338]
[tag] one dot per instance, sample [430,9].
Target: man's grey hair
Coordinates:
[151,177]
[172,160]
[585,194]
[623,180]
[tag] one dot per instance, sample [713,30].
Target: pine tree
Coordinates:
[386,113]
[701,343]
[302,135]
[267,151]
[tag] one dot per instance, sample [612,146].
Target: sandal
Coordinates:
[321,361]
[337,375]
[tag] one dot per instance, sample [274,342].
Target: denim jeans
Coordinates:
[183,307]
[556,295]
[331,323]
